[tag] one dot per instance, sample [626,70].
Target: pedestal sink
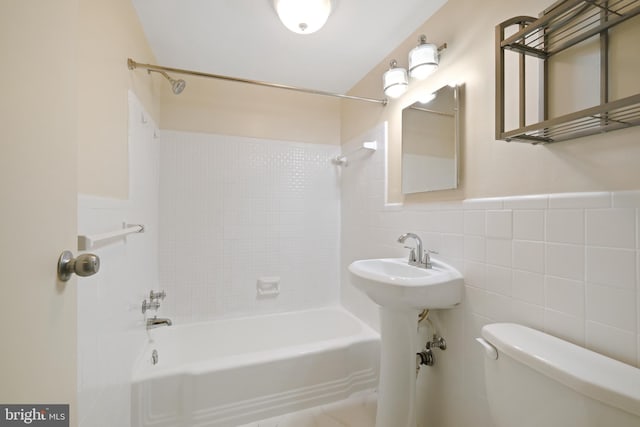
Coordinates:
[402,291]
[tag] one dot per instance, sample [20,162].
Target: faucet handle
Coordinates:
[427,253]
[426,259]
[151,305]
[157,295]
[412,253]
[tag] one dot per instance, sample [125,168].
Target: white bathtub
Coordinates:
[231,372]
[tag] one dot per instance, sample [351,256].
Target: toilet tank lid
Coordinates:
[589,373]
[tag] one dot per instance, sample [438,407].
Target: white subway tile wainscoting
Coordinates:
[553,265]
[567,264]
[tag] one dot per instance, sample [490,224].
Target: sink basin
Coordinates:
[393,283]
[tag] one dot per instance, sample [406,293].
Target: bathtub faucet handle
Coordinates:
[151,305]
[157,295]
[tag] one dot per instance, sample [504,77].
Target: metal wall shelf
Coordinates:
[563,25]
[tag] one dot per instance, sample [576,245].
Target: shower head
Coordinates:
[177,86]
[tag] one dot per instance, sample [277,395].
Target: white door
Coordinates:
[38,193]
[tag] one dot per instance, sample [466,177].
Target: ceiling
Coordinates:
[244,38]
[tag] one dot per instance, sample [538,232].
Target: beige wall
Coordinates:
[490,167]
[230,108]
[38,199]
[64,131]
[109,33]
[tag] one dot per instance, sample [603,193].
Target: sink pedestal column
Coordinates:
[397,387]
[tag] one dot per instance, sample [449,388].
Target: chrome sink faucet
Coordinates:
[417,256]
[156,322]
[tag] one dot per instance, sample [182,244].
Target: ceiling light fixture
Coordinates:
[303,16]
[423,59]
[395,80]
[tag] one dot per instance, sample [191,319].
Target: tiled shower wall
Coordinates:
[563,263]
[234,210]
[111,329]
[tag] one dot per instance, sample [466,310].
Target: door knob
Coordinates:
[84,265]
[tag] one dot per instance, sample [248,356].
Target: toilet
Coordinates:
[534,379]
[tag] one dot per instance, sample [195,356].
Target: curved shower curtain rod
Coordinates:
[158,68]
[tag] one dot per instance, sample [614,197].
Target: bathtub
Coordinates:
[230,372]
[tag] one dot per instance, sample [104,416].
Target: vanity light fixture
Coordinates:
[395,80]
[423,59]
[303,16]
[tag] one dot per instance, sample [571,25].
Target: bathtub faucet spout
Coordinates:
[156,322]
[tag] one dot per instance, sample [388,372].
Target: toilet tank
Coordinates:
[534,379]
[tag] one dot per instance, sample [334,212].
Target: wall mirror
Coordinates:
[430,133]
